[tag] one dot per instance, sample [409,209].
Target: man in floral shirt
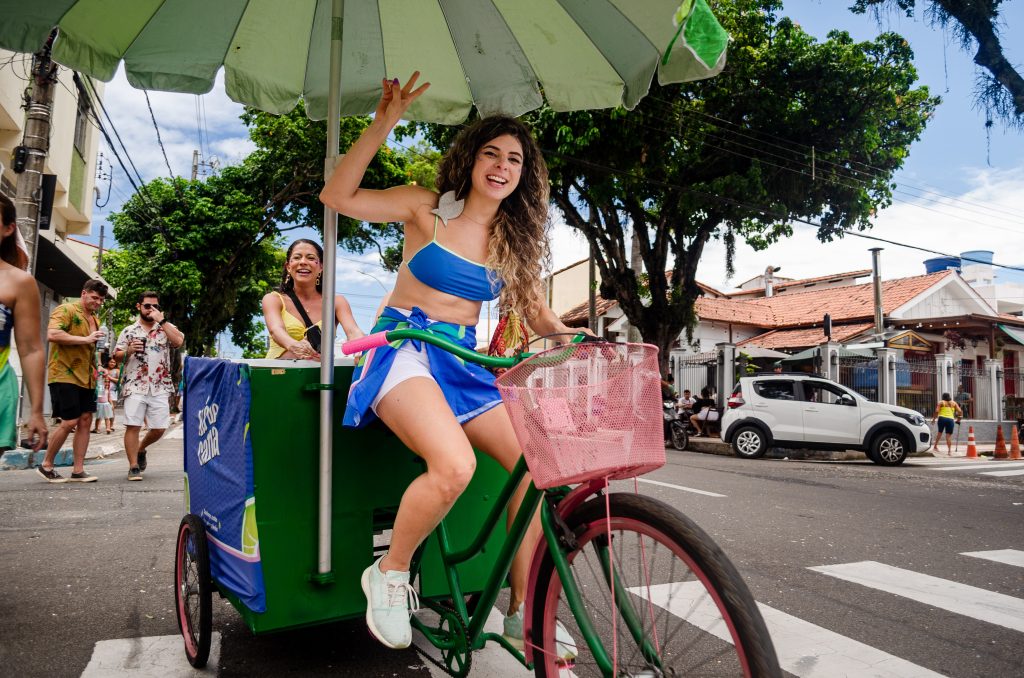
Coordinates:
[73,332]
[146,347]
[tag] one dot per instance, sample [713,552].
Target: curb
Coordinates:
[19,460]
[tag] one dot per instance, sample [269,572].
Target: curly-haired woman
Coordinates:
[481,238]
[301,296]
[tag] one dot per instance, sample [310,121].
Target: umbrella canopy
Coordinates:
[499,55]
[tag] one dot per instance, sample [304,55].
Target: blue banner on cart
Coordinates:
[218,474]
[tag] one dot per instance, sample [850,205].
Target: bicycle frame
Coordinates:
[551,515]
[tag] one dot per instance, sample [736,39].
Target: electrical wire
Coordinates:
[159,141]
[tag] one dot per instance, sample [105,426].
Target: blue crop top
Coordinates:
[438,267]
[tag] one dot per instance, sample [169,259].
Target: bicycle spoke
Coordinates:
[668,616]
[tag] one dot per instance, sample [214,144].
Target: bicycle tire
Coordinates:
[700,577]
[193,590]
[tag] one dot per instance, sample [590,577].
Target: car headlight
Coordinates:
[914,419]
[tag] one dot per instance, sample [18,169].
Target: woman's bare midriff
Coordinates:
[437,305]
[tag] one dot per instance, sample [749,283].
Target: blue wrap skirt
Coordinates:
[467,387]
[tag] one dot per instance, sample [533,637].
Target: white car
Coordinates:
[806,411]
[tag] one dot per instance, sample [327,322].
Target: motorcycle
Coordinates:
[675,427]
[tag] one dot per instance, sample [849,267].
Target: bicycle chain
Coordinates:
[456,625]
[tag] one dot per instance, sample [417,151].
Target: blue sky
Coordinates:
[958,190]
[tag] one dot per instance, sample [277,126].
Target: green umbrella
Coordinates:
[497,55]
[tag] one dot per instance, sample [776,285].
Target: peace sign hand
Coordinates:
[396,99]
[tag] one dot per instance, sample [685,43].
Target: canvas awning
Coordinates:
[812,353]
[1015,333]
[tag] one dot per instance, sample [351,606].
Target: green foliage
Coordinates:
[212,248]
[731,157]
[289,159]
[976,25]
[204,247]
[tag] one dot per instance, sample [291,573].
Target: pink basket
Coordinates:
[585,411]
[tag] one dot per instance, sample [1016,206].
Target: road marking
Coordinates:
[1006,556]
[680,487]
[974,466]
[1004,474]
[970,601]
[147,657]
[804,649]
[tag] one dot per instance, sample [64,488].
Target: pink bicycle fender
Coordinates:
[364,343]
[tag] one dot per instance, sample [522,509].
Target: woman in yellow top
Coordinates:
[947,413]
[301,279]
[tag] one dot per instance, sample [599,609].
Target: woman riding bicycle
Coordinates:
[482,238]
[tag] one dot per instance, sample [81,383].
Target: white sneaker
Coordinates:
[565,646]
[390,599]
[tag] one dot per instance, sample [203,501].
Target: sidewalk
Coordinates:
[102,445]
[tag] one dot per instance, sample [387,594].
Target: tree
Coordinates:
[201,245]
[792,129]
[974,23]
[211,248]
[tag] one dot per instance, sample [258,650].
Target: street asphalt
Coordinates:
[87,570]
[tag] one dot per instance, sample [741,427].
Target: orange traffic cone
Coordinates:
[1014,443]
[972,449]
[1000,452]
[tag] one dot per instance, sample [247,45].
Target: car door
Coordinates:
[775,403]
[830,414]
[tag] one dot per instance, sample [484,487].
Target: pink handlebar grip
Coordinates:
[364,343]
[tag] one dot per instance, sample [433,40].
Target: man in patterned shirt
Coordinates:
[147,382]
[73,332]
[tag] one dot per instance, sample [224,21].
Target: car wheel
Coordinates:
[680,438]
[888,449]
[749,442]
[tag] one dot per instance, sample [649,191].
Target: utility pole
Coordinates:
[195,164]
[38,104]
[876,279]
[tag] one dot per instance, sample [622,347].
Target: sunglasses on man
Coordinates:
[149,306]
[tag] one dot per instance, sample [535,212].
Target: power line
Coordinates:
[159,141]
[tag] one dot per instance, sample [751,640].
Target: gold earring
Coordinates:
[318,279]
[287,278]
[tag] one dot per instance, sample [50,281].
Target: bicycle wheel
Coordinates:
[193,591]
[680,438]
[682,608]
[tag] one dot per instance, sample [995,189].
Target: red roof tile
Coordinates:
[803,281]
[804,337]
[851,302]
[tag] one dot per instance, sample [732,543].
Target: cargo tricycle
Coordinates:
[640,589]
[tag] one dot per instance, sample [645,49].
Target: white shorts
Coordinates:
[408,363]
[151,410]
[708,414]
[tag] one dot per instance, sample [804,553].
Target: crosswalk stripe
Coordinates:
[147,657]
[975,466]
[1005,556]
[970,601]
[804,649]
[1004,474]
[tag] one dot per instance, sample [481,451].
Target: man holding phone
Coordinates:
[145,348]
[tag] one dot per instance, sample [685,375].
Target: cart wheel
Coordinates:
[193,590]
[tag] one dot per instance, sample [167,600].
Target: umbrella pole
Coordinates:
[324,574]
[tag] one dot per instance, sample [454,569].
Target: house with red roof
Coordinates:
[924,316]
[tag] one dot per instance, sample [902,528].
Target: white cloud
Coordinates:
[989,216]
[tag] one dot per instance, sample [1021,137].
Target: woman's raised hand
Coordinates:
[396,98]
